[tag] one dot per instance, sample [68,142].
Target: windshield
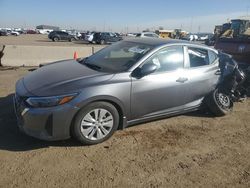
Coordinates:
[235,24]
[118,57]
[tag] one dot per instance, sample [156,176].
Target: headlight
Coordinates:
[42,102]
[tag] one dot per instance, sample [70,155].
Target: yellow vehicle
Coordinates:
[175,33]
[164,33]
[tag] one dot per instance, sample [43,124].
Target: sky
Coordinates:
[122,15]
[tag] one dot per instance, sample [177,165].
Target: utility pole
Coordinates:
[191,25]
[104,26]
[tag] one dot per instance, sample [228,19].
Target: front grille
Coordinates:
[19,99]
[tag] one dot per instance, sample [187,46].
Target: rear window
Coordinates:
[201,57]
[148,35]
[198,57]
[212,56]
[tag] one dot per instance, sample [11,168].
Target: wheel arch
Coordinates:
[115,102]
[57,36]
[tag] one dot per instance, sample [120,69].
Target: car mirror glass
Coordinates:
[146,69]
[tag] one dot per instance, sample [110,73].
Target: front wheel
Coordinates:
[55,39]
[72,39]
[96,123]
[219,103]
[102,42]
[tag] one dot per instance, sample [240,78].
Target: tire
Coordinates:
[219,103]
[55,39]
[71,39]
[102,42]
[89,129]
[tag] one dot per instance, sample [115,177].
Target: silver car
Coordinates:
[127,83]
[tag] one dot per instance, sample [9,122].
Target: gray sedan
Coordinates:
[127,83]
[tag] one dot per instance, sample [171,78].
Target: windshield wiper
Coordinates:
[83,60]
[92,66]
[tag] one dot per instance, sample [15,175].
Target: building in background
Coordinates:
[48,27]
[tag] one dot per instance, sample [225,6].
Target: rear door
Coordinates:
[113,37]
[105,37]
[202,71]
[64,36]
[110,37]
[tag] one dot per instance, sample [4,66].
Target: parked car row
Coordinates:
[196,37]
[61,35]
[9,32]
[93,37]
[102,37]
[147,35]
[109,37]
[3,33]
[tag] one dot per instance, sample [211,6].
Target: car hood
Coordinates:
[62,77]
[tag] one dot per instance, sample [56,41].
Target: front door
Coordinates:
[162,90]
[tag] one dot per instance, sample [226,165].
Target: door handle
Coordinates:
[182,79]
[218,72]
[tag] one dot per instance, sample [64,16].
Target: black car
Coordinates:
[105,37]
[3,33]
[60,35]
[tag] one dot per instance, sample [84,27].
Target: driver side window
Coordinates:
[168,59]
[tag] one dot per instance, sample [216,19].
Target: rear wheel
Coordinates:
[71,39]
[219,103]
[96,123]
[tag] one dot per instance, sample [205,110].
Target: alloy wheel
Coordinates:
[97,124]
[223,100]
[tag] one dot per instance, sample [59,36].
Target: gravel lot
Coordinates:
[192,150]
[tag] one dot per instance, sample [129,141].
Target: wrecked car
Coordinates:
[127,83]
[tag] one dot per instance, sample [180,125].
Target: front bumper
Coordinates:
[44,123]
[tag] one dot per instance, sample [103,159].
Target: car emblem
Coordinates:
[241,48]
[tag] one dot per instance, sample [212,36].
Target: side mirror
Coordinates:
[146,69]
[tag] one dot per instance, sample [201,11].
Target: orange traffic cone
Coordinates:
[75,56]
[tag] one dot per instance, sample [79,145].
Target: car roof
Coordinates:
[157,41]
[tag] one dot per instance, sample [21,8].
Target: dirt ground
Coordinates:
[192,150]
[37,40]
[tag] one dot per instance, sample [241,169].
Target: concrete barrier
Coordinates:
[36,55]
